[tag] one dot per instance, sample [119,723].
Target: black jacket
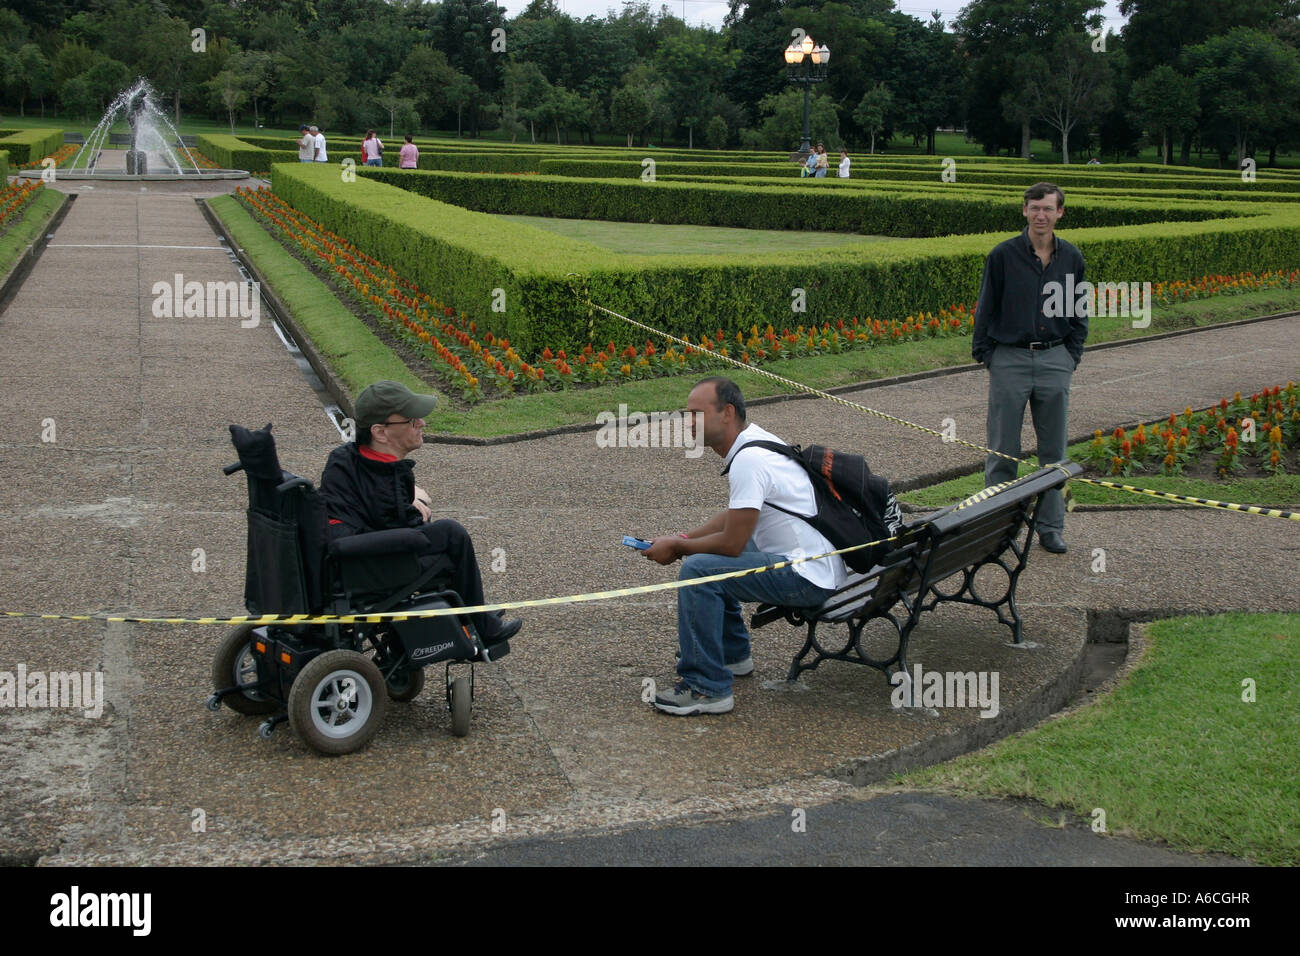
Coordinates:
[363,495]
[1012,299]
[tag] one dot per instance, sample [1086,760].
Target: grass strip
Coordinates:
[1174,753]
[355,353]
[19,236]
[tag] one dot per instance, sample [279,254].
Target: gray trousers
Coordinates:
[1041,379]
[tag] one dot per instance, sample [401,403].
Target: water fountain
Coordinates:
[150,156]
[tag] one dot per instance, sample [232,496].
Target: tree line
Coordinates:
[1216,75]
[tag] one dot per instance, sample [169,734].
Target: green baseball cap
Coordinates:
[376,402]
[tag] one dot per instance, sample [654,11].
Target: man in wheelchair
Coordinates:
[369,485]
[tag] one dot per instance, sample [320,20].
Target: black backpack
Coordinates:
[853,505]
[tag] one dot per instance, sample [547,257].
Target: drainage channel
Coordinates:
[335,414]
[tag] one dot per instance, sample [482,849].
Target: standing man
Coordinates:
[760,527]
[306,145]
[318,139]
[1029,334]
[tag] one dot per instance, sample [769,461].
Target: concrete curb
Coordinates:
[23,266]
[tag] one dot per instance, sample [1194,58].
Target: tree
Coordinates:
[31,71]
[783,123]
[396,106]
[253,70]
[461,92]
[1244,79]
[872,110]
[715,133]
[629,111]
[424,78]
[227,90]
[525,89]
[1077,87]
[993,37]
[1164,100]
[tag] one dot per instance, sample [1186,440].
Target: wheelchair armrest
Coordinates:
[374,543]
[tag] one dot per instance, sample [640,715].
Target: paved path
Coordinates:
[109,515]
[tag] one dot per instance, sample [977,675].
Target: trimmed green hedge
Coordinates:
[30,145]
[460,257]
[1064,176]
[793,206]
[4,166]
[231,152]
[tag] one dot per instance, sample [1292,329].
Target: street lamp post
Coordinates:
[806,63]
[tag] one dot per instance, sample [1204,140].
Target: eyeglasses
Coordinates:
[404,421]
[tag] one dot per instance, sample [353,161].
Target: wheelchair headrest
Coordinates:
[256,452]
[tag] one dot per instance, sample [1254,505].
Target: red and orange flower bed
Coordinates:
[14,197]
[1234,437]
[60,155]
[1167,293]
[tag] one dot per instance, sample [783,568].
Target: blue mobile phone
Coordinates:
[637,543]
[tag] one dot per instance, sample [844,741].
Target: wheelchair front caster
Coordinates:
[213,703]
[406,685]
[265,729]
[462,703]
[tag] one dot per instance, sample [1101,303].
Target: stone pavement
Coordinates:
[108,517]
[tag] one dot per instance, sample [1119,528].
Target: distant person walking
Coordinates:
[844,163]
[319,144]
[306,145]
[409,157]
[823,164]
[372,150]
[810,166]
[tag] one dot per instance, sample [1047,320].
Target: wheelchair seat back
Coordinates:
[286,531]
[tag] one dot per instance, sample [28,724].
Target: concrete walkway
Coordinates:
[108,516]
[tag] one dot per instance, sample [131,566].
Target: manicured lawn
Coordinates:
[1174,753]
[650,239]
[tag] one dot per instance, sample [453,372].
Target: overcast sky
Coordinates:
[712,12]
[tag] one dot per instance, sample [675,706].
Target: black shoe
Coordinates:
[503,630]
[1053,542]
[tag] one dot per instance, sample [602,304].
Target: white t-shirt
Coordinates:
[321,157]
[371,148]
[844,168]
[307,147]
[760,478]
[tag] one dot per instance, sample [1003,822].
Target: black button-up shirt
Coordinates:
[1013,302]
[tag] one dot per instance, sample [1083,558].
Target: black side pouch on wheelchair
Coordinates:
[430,640]
[273,580]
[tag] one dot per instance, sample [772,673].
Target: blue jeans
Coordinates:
[374,162]
[710,624]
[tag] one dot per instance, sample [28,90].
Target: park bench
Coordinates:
[997,530]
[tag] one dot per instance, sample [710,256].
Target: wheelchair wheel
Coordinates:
[461,705]
[406,684]
[234,666]
[337,702]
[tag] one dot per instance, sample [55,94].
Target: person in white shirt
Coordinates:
[306,145]
[319,138]
[844,163]
[751,533]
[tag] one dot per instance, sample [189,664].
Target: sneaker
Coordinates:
[683,701]
[739,669]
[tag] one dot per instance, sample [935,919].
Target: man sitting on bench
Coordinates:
[368,486]
[751,533]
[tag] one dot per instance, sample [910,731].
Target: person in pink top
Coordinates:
[372,150]
[409,157]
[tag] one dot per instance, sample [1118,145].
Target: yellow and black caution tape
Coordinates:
[1203,502]
[978,496]
[257,620]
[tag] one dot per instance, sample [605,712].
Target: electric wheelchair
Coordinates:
[333,682]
